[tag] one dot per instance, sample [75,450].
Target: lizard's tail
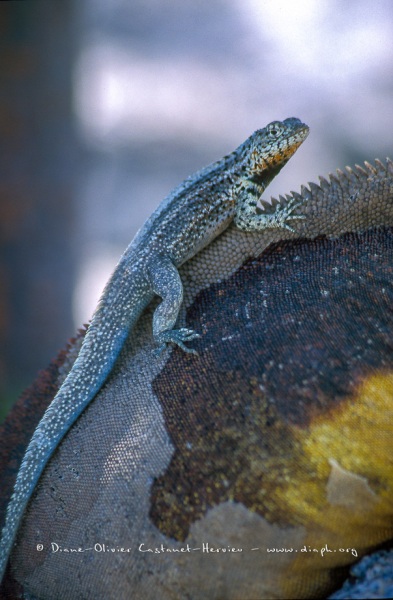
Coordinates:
[110,326]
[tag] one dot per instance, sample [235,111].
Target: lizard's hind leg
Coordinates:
[166,283]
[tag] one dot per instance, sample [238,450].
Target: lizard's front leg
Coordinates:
[247,195]
[166,283]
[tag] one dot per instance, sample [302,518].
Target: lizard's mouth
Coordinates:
[289,150]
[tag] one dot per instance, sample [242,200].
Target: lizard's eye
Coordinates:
[274,130]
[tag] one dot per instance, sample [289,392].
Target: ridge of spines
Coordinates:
[351,175]
[381,168]
[314,187]
[305,192]
[370,168]
[297,196]
[323,183]
[333,179]
[362,172]
[339,179]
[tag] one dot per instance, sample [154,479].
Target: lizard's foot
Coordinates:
[178,337]
[284,213]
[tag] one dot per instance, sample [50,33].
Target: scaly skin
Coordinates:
[185,222]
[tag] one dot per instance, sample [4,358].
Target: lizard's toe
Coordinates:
[178,337]
[297,217]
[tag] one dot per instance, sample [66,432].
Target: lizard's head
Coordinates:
[267,150]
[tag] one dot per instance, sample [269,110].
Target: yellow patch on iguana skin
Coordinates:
[346,451]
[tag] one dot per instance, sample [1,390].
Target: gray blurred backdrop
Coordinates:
[105,105]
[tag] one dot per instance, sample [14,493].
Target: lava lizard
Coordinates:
[186,221]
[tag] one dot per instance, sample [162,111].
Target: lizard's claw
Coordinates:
[283,213]
[178,337]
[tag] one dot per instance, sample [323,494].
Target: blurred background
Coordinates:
[105,105]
